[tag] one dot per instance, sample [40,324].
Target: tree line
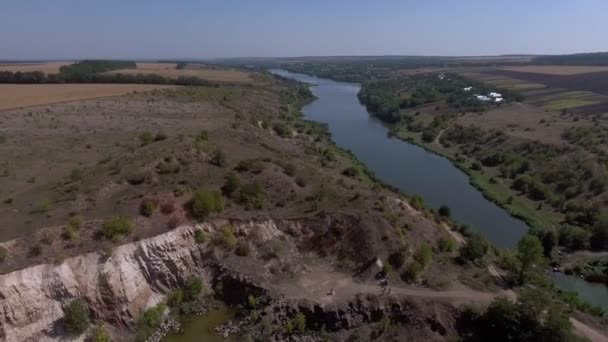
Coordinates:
[92,72]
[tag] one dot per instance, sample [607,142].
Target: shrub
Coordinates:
[447,244]
[147,207]
[232,182]
[417,202]
[227,237]
[242,248]
[146,138]
[204,202]
[167,207]
[160,136]
[175,298]
[252,195]
[254,165]
[199,236]
[149,322]
[424,254]
[299,322]
[99,334]
[75,222]
[475,249]
[219,158]
[192,289]
[396,259]
[76,316]
[3,254]
[412,271]
[202,136]
[281,129]
[351,171]
[173,222]
[444,211]
[116,228]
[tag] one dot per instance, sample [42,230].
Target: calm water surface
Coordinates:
[414,170]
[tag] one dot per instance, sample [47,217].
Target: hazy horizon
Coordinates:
[69,29]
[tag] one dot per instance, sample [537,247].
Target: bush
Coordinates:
[199,236]
[147,207]
[76,316]
[444,211]
[252,195]
[396,259]
[204,202]
[175,298]
[192,289]
[475,249]
[424,254]
[227,238]
[417,202]
[242,248]
[232,182]
[149,322]
[173,222]
[299,322]
[146,138]
[99,334]
[219,158]
[352,172]
[167,207]
[447,244]
[116,228]
[412,272]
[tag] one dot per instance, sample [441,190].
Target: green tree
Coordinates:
[76,316]
[529,253]
[475,249]
[192,289]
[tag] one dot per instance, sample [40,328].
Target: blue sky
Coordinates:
[55,29]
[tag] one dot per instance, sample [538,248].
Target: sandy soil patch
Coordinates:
[47,68]
[21,95]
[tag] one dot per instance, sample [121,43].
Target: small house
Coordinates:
[467,88]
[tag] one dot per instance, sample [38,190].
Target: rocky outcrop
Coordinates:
[430,320]
[117,288]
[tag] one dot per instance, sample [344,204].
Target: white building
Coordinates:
[482,98]
[467,88]
[493,94]
[498,99]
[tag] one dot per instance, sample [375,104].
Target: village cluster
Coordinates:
[492,96]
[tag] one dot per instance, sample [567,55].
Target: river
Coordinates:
[414,170]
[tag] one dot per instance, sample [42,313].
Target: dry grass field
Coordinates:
[22,95]
[47,68]
[169,70]
[558,69]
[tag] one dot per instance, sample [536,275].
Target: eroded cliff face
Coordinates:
[117,287]
[120,285]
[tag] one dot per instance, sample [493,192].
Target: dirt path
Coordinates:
[436,141]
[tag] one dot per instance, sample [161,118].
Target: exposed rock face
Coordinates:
[117,288]
[431,320]
[136,276]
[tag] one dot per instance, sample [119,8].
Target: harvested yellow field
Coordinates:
[23,95]
[169,70]
[558,69]
[47,68]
